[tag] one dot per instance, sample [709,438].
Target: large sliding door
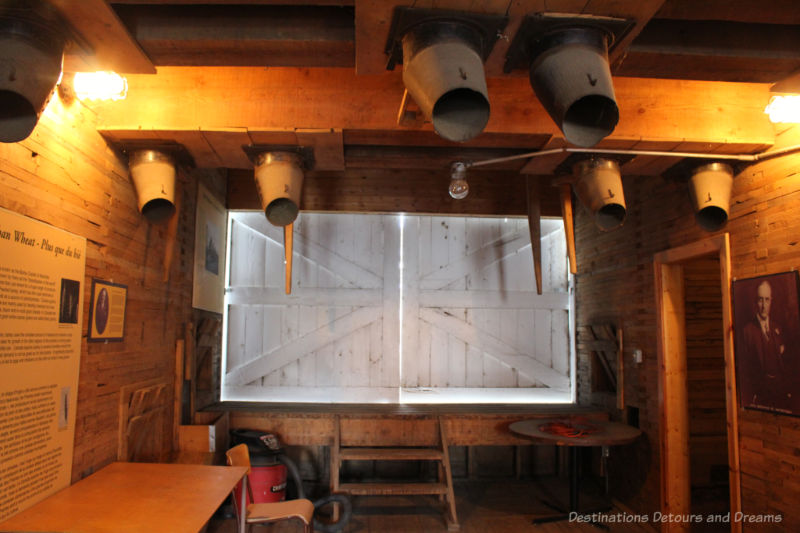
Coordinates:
[393,308]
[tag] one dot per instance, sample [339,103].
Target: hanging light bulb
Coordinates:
[459,188]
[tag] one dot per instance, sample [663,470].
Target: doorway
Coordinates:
[697,385]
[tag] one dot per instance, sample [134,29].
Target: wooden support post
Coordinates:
[288,233]
[178,392]
[620,371]
[452,516]
[336,463]
[189,370]
[172,232]
[569,227]
[535,228]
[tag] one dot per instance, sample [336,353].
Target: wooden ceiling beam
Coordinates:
[285,98]
[713,50]
[110,46]
[249,35]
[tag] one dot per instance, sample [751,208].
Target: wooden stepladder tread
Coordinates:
[442,488]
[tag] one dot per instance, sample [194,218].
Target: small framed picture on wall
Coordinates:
[767,342]
[107,312]
[209,252]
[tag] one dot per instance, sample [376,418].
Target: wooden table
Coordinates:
[586,433]
[135,498]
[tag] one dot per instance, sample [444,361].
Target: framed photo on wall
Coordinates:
[107,312]
[767,342]
[209,252]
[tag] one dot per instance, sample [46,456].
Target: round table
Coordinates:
[574,432]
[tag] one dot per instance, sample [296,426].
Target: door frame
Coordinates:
[672,383]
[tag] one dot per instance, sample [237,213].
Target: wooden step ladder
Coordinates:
[443,488]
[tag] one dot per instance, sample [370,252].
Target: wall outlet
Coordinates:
[637,356]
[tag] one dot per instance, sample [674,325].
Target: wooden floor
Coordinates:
[484,506]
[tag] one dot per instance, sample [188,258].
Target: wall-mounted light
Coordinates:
[598,185]
[784,108]
[32,38]
[101,85]
[442,54]
[458,188]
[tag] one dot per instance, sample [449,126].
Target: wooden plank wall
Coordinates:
[66,175]
[615,284]
[705,363]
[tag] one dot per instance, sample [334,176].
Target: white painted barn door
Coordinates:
[475,330]
[396,309]
[334,339]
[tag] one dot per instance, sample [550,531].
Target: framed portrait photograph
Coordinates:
[107,312]
[209,252]
[767,333]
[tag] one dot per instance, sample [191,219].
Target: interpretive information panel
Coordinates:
[41,306]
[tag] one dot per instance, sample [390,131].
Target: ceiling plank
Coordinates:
[328,147]
[639,11]
[228,144]
[187,98]
[112,47]
[773,12]
[713,50]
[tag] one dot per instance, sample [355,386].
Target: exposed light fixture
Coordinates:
[785,108]
[100,85]
[458,188]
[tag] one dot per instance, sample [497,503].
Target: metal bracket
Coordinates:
[306,153]
[405,19]
[179,153]
[534,27]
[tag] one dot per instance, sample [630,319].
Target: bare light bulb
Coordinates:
[458,188]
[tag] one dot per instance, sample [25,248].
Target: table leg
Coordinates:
[243,507]
[573,478]
[573,467]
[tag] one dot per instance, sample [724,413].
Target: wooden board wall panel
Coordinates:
[615,281]
[79,183]
[465,427]
[398,191]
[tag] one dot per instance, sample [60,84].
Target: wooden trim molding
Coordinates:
[672,393]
